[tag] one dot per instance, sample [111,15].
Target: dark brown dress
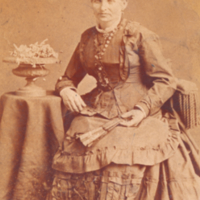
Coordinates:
[147,162]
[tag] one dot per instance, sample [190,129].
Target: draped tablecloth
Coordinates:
[31,130]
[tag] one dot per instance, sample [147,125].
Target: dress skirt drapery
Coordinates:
[154,160]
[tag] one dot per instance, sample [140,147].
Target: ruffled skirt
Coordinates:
[150,162]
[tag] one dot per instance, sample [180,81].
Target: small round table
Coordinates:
[31,130]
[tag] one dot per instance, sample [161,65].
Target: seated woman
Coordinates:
[147,155]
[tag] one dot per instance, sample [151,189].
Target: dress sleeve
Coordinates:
[163,83]
[73,74]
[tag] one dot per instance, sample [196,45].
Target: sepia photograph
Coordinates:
[99,100]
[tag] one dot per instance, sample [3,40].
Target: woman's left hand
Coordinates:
[132,118]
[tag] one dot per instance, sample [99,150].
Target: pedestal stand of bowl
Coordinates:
[31,73]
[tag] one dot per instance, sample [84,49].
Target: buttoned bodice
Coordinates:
[132,65]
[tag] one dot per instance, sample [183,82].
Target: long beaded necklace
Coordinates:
[100,48]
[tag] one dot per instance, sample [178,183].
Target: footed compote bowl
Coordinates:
[31,72]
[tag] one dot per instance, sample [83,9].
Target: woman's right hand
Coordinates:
[72,100]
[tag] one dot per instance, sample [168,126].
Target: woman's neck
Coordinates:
[108,26]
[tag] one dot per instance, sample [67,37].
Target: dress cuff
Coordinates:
[140,108]
[66,88]
[143,107]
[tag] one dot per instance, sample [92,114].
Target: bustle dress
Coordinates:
[157,160]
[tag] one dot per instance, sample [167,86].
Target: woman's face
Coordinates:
[108,10]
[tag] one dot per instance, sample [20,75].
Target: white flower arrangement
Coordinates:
[34,53]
